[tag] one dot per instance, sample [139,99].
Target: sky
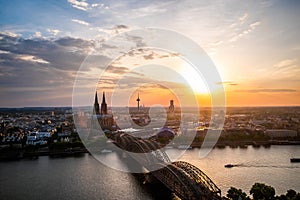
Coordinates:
[254,45]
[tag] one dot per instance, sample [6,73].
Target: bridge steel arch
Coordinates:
[174,178]
[204,183]
[182,178]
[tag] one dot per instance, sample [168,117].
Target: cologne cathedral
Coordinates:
[106,121]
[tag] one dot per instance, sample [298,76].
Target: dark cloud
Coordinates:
[121,26]
[139,41]
[148,54]
[107,46]
[64,53]
[117,69]
[38,69]
[153,55]
[107,80]
[74,42]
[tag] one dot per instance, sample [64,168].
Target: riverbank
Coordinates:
[18,154]
[244,144]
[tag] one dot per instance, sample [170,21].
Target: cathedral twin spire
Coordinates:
[103,110]
[103,105]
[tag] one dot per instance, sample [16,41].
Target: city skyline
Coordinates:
[254,45]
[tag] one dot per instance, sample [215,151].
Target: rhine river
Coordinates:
[86,178]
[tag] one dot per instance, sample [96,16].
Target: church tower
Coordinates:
[96,105]
[103,105]
[171,107]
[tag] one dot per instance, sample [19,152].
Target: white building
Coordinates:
[35,138]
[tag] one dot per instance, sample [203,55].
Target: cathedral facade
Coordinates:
[106,120]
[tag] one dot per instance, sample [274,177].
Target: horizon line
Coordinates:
[231,106]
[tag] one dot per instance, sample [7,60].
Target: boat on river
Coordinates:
[293,160]
[229,165]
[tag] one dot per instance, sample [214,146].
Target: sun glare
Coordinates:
[193,78]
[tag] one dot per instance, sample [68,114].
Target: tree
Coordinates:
[260,191]
[281,197]
[236,194]
[296,197]
[291,193]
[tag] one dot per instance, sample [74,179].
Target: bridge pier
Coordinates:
[154,187]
